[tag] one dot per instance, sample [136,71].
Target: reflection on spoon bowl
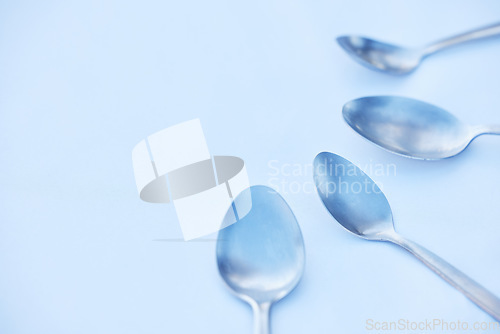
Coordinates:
[381,56]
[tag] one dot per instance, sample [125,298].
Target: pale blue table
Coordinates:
[82,82]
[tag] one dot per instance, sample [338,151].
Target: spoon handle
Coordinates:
[463,283]
[261,318]
[487,130]
[488,31]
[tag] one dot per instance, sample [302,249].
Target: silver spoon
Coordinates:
[261,257]
[395,59]
[411,127]
[359,205]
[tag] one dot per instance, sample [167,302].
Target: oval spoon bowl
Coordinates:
[410,127]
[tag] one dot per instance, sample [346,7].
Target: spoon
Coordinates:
[261,257]
[395,59]
[411,128]
[359,205]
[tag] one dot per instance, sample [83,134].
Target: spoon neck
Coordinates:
[486,130]
[400,241]
[391,236]
[261,317]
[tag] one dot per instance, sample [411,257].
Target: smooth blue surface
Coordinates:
[81,82]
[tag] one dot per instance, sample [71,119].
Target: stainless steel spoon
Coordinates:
[261,257]
[359,205]
[395,59]
[411,127]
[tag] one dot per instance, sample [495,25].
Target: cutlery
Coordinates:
[361,208]
[396,59]
[411,128]
[261,257]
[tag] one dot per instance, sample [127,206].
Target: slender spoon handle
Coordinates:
[487,130]
[261,318]
[463,283]
[488,31]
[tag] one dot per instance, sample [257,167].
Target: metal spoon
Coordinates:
[395,59]
[359,205]
[261,257]
[411,128]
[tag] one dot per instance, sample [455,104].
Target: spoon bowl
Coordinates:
[261,257]
[359,205]
[352,198]
[411,128]
[381,56]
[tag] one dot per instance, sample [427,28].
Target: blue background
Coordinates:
[81,82]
